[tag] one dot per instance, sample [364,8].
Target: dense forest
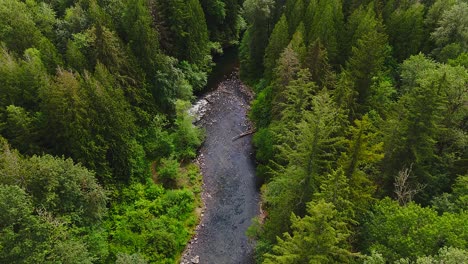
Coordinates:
[361,115]
[96,143]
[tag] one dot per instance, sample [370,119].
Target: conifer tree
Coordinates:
[295,13]
[316,60]
[360,160]
[411,132]
[326,26]
[188,33]
[405,29]
[335,189]
[288,66]
[279,39]
[304,152]
[367,61]
[259,13]
[315,238]
[297,43]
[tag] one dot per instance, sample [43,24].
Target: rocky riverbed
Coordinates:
[230,191]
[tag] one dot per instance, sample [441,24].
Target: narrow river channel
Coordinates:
[230,190]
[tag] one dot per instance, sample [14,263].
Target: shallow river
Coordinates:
[230,193]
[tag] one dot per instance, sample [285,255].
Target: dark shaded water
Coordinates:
[226,63]
[230,189]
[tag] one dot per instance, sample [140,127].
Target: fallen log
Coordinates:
[243,134]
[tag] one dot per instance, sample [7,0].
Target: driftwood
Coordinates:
[209,101]
[244,134]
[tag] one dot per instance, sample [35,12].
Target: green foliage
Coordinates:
[255,40]
[40,219]
[168,170]
[304,150]
[19,31]
[411,231]
[326,25]
[366,61]
[279,39]
[384,118]
[187,33]
[452,29]
[420,121]
[315,238]
[448,255]
[26,237]
[297,43]
[316,60]
[223,20]
[294,11]
[187,137]
[405,30]
[151,221]
[130,259]
[99,82]
[61,188]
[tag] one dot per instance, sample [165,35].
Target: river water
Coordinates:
[230,191]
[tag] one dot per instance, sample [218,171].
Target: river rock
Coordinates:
[196,259]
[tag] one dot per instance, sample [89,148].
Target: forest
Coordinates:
[361,119]
[95,141]
[361,114]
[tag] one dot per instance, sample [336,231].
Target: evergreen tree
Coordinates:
[288,65]
[405,29]
[411,134]
[326,25]
[223,20]
[316,60]
[259,14]
[315,238]
[294,13]
[188,37]
[359,162]
[335,189]
[306,150]
[297,43]
[366,61]
[407,232]
[279,39]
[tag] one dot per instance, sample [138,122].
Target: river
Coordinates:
[230,189]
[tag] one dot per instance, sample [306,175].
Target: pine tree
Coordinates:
[188,33]
[296,99]
[259,14]
[405,30]
[315,238]
[359,162]
[304,153]
[295,13]
[450,36]
[411,132]
[297,43]
[316,60]
[279,39]
[335,189]
[367,61]
[288,66]
[326,25]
